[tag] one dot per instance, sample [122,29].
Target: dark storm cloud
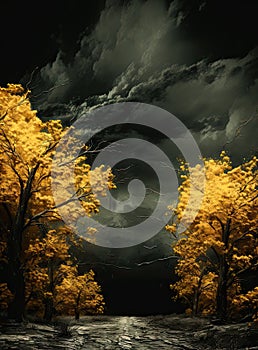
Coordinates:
[128,43]
[212,99]
[140,52]
[214,108]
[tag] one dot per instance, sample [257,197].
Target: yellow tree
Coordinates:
[27,147]
[248,303]
[50,269]
[45,261]
[220,245]
[79,295]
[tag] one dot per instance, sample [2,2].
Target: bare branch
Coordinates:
[127,267]
[238,131]
[51,89]
[150,248]
[11,108]
[31,77]
[156,260]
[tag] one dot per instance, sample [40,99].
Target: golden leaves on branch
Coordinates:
[79,295]
[27,149]
[52,274]
[222,237]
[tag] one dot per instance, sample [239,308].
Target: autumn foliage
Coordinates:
[220,246]
[52,280]
[73,298]
[39,272]
[34,249]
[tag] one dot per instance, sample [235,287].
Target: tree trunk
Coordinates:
[77,306]
[196,301]
[49,309]
[15,251]
[17,287]
[222,291]
[49,304]
[221,297]
[77,314]
[197,294]
[16,276]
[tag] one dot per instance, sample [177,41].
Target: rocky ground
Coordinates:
[120,332]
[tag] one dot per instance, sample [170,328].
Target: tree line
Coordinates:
[39,272]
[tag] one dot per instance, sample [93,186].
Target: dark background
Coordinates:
[32,34]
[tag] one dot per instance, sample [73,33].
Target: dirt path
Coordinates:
[108,332]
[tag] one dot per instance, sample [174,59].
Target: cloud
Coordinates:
[212,99]
[139,52]
[128,45]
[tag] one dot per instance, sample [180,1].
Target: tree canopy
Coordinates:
[27,206]
[220,245]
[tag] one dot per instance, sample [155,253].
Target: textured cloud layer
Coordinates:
[140,52]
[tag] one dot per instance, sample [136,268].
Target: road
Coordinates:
[109,332]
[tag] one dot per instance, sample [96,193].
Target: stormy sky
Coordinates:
[197,59]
